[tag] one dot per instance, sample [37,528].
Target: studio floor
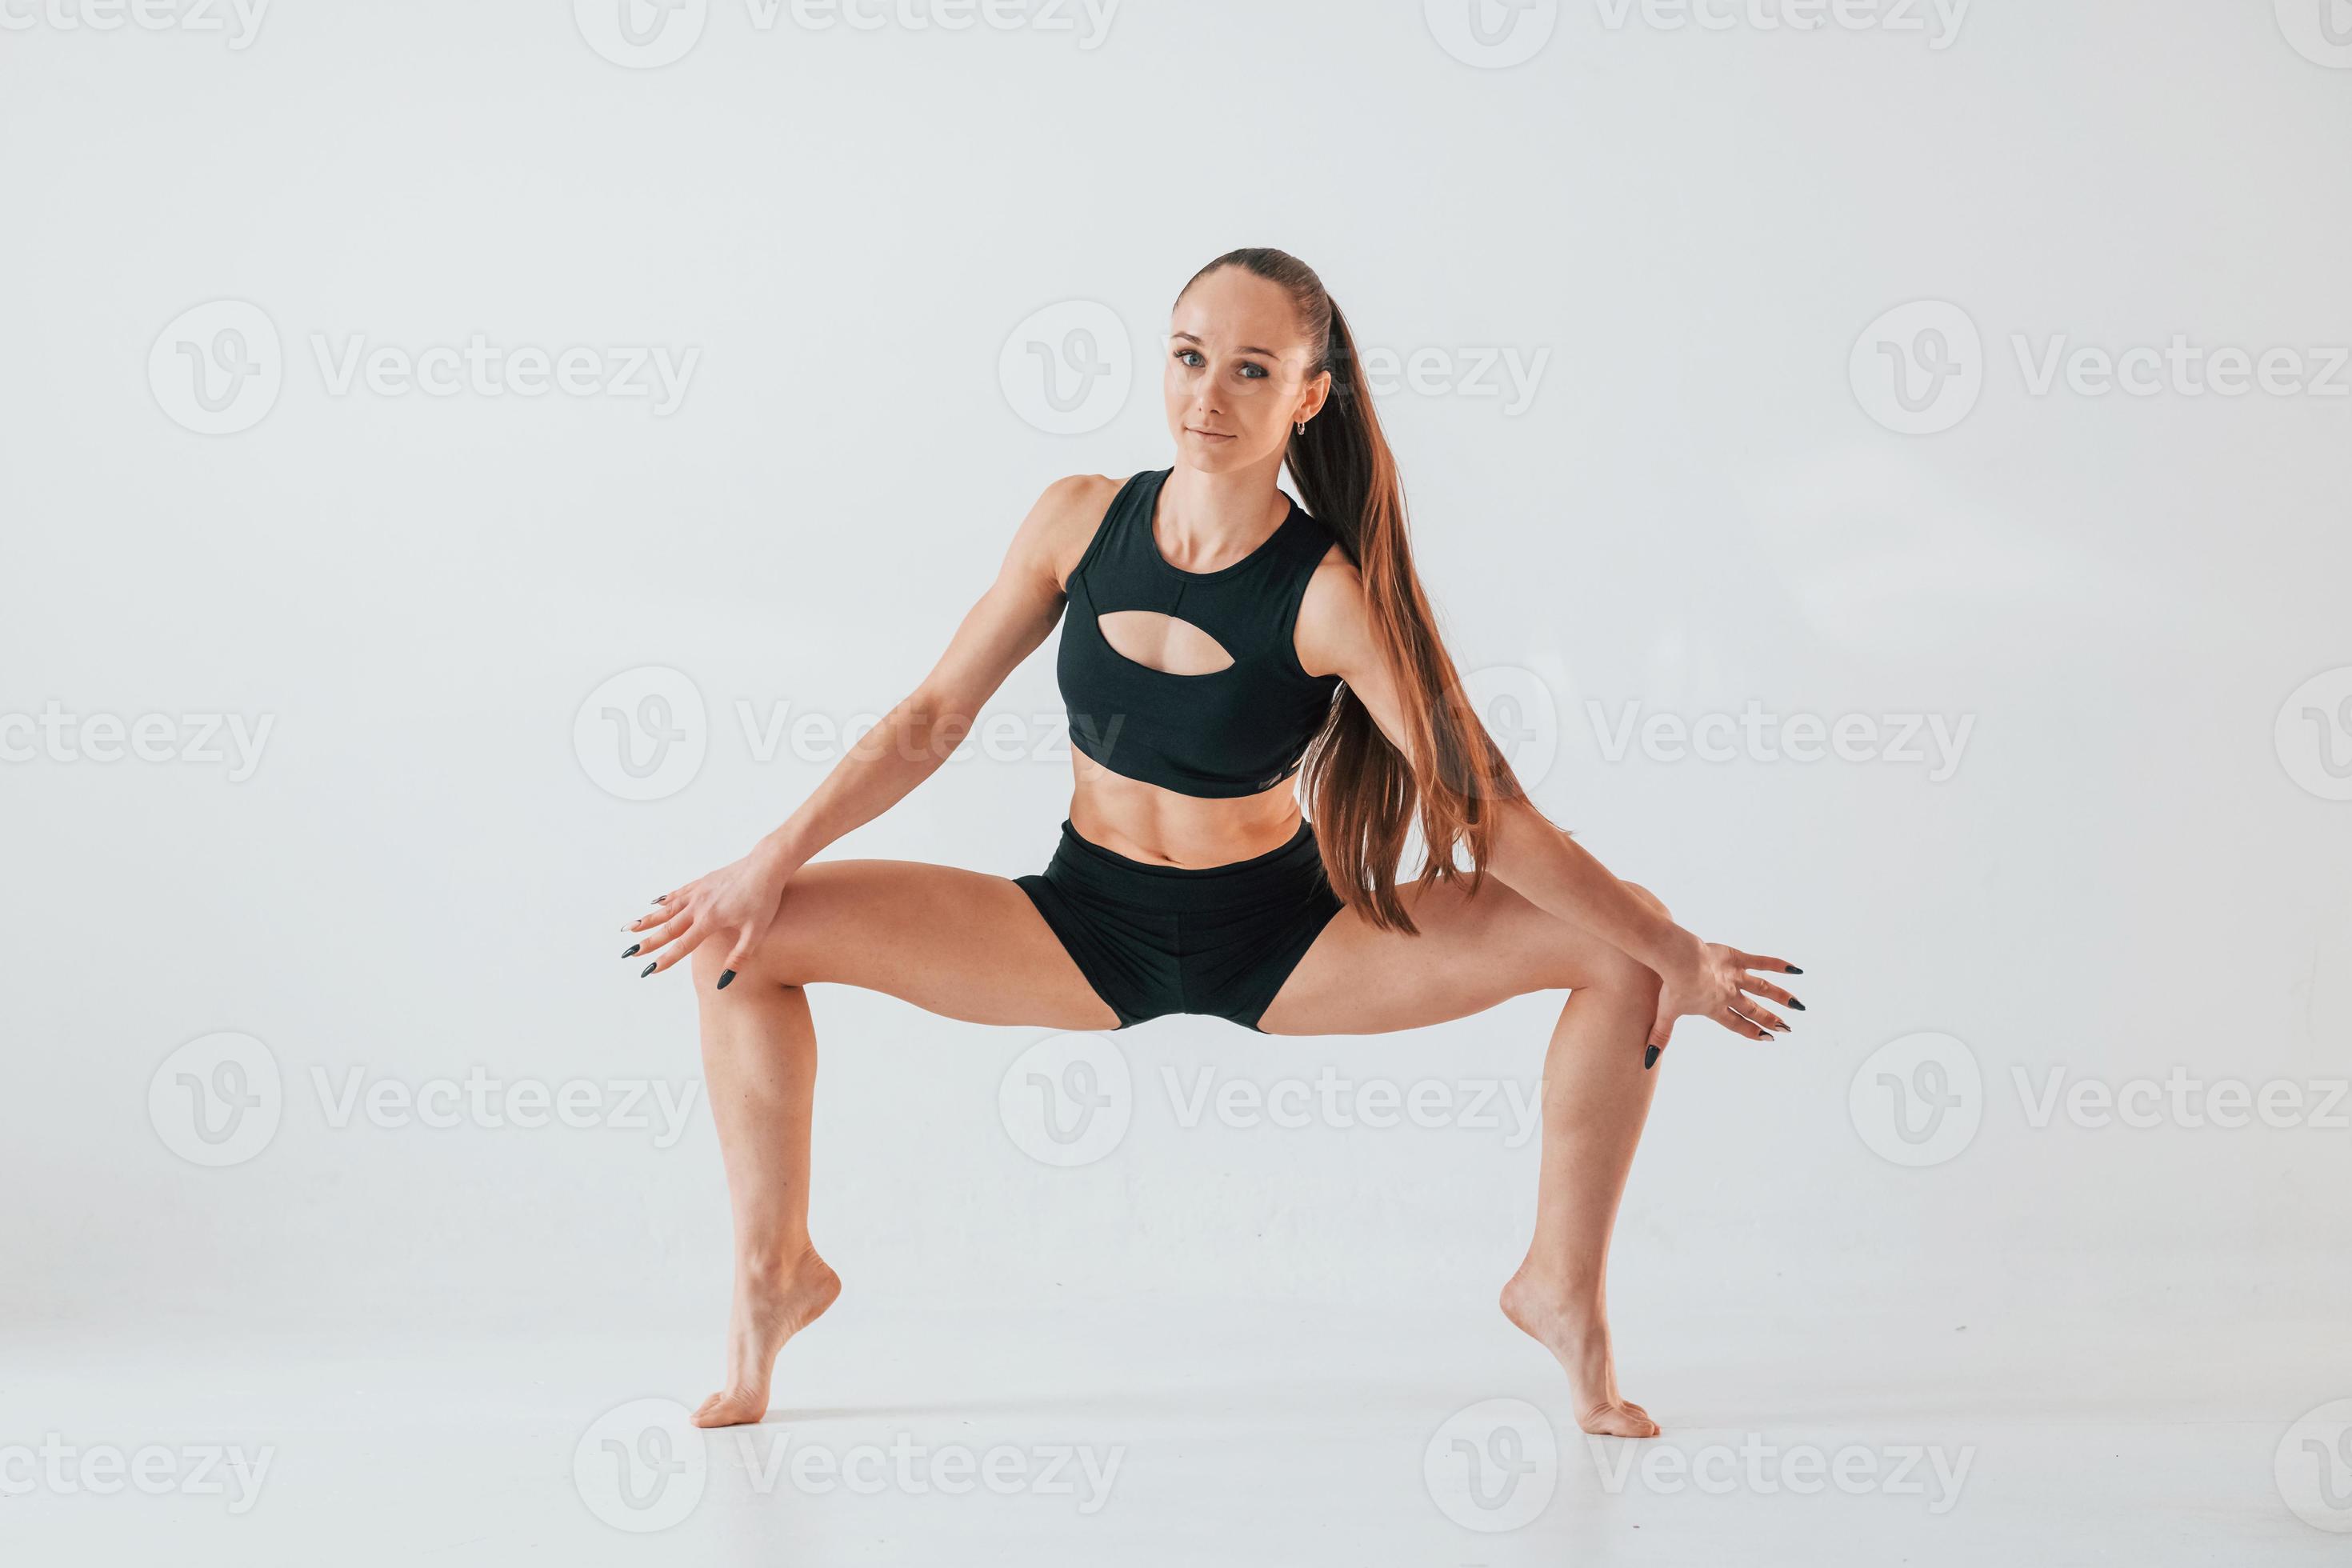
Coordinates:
[1154,1432]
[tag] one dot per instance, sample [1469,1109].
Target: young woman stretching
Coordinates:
[1218,638]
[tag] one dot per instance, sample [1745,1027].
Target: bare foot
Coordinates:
[769,1308]
[1577,1334]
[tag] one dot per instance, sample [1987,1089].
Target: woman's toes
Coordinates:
[730,1409]
[1619,1421]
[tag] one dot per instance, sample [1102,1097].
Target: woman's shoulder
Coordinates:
[1062,525]
[1335,624]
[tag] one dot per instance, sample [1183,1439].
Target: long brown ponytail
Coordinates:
[1362,792]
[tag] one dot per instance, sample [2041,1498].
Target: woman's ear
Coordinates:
[1319,391]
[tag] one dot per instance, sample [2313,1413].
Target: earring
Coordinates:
[1302,426]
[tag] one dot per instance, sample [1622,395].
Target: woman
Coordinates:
[1219,641]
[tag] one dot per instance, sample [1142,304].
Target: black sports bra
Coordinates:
[1232,731]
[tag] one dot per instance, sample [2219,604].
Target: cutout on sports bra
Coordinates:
[1162,643]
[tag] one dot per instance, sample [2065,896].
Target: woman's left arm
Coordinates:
[1543,863]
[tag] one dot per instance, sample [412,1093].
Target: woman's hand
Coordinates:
[732,906]
[1715,982]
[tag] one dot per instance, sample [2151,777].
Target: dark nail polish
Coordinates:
[1800,1006]
[1649,1058]
[1791,969]
[662,898]
[633,950]
[649,969]
[723,979]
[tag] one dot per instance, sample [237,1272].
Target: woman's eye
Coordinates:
[1189,356]
[1253,371]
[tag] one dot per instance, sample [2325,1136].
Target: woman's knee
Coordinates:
[1615,969]
[781,957]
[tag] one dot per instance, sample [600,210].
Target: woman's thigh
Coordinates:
[963,944]
[1474,950]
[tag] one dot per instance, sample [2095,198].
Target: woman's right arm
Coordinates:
[736,903]
[915,737]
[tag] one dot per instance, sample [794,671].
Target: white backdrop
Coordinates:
[1639,298]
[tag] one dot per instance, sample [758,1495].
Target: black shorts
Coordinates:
[1152,940]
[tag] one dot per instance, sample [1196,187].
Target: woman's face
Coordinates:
[1239,372]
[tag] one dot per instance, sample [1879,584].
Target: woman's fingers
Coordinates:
[680,945]
[667,907]
[746,944]
[661,936]
[1759,961]
[1765,989]
[1737,1025]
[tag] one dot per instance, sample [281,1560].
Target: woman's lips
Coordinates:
[1208,434]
